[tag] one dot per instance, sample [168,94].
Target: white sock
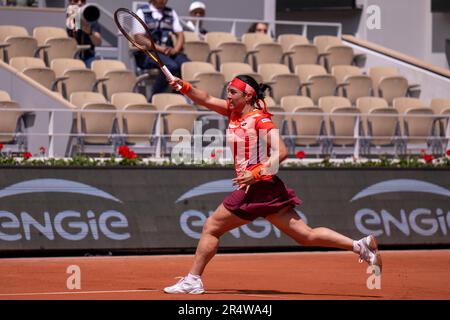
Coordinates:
[191,276]
[356,247]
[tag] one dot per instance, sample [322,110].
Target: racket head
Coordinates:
[132,27]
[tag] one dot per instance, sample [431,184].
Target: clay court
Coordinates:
[275,276]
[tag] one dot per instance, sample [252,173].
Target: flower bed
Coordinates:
[127,157]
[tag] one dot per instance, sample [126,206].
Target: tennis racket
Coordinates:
[138,33]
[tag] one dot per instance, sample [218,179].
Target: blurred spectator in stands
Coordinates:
[259,27]
[196,9]
[162,21]
[89,34]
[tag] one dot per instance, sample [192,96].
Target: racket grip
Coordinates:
[169,76]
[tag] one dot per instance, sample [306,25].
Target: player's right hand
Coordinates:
[176,83]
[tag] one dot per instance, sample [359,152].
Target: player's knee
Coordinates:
[209,227]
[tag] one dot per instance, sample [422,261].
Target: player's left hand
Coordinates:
[244,179]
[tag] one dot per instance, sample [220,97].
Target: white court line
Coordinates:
[74,292]
[126,291]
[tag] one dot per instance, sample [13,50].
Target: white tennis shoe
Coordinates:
[369,252]
[186,286]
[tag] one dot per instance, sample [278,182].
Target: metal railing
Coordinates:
[437,142]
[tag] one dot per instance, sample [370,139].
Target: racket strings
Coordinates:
[134,29]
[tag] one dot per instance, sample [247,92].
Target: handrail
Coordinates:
[234,21]
[397,55]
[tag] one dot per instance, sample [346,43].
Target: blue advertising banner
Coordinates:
[165,208]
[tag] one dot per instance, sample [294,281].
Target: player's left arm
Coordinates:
[278,152]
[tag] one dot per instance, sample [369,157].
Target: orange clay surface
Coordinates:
[274,276]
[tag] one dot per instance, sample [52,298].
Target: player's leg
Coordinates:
[220,222]
[288,221]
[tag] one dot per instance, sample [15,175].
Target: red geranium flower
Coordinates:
[213,154]
[1,147]
[42,150]
[428,158]
[300,154]
[446,152]
[126,152]
[27,155]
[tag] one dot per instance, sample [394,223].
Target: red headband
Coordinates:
[241,85]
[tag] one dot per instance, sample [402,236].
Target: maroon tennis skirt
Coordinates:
[262,199]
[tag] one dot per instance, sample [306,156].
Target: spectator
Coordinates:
[196,9]
[259,27]
[89,34]
[162,21]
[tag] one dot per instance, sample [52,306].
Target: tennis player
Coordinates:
[259,193]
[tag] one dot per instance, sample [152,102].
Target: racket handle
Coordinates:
[169,76]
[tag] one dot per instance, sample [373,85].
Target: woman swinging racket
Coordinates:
[260,192]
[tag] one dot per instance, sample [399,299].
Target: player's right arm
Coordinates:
[203,98]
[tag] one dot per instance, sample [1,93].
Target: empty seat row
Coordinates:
[257,48]
[47,43]
[308,80]
[71,75]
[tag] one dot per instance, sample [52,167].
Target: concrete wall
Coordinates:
[408,26]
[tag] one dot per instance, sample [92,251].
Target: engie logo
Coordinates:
[192,221]
[422,221]
[68,224]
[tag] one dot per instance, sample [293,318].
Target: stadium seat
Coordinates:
[315,82]
[54,43]
[328,103]
[301,54]
[184,123]
[113,77]
[233,69]
[278,119]
[281,80]
[264,53]
[380,131]
[136,128]
[251,40]
[35,69]
[323,42]
[97,132]
[163,100]
[365,104]
[342,129]
[352,84]
[388,83]
[197,50]
[439,105]
[232,51]
[290,103]
[402,105]
[287,41]
[204,76]
[383,131]
[15,41]
[308,130]
[11,125]
[72,76]
[191,36]
[336,55]
[419,131]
